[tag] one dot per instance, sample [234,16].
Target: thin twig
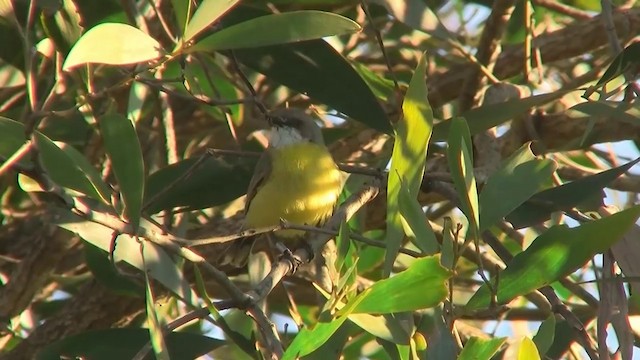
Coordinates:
[563,9]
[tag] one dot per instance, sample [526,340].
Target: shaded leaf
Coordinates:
[519,178]
[214,182]
[316,69]
[629,57]
[563,197]
[123,148]
[555,254]
[481,349]
[114,44]
[103,270]
[412,133]
[124,344]
[460,158]
[419,228]
[288,27]
[545,335]
[12,138]
[405,291]
[619,111]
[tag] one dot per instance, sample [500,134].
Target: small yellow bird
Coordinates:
[296,179]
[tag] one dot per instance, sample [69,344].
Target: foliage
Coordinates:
[490,131]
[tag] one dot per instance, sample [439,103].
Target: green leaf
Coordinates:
[181,10]
[528,350]
[487,116]
[113,44]
[316,69]
[69,169]
[481,349]
[615,110]
[566,196]
[207,13]
[283,28]
[214,182]
[555,254]
[12,138]
[123,148]
[419,228]
[10,76]
[103,270]
[519,178]
[405,291]
[390,327]
[310,339]
[160,266]
[155,330]
[460,158]
[622,62]
[546,334]
[125,343]
[412,133]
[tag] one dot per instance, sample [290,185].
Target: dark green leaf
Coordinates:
[563,197]
[546,334]
[480,349]
[555,254]
[124,344]
[214,182]
[274,29]
[519,178]
[412,133]
[123,148]
[12,138]
[104,271]
[419,228]
[622,62]
[405,291]
[316,69]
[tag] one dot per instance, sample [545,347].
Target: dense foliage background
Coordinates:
[505,124]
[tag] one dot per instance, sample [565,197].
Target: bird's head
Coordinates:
[293,126]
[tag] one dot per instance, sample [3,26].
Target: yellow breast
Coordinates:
[302,188]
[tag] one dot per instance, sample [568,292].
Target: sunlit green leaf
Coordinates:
[519,178]
[419,228]
[405,291]
[114,44]
[480,349]
[555,254]
[460,158]
[207,13]
[412,133]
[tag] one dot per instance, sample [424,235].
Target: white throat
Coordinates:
[284,136]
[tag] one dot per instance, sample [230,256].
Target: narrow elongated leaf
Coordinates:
[412,134]
[114,44]
[555,254]
[276,29]
[622,62]
[487,116]
[614,110]
[479,349]
[308,340]
[155,331]
[98,262]
[11,138]
[540,207]
[419,228]
[125,343]
[546,334]
[160,266]
[405,291]
[207,13]
[123,148]
[519,178]
[460,158]
[214,182]
[316,69]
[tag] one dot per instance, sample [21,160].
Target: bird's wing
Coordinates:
[261,172]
